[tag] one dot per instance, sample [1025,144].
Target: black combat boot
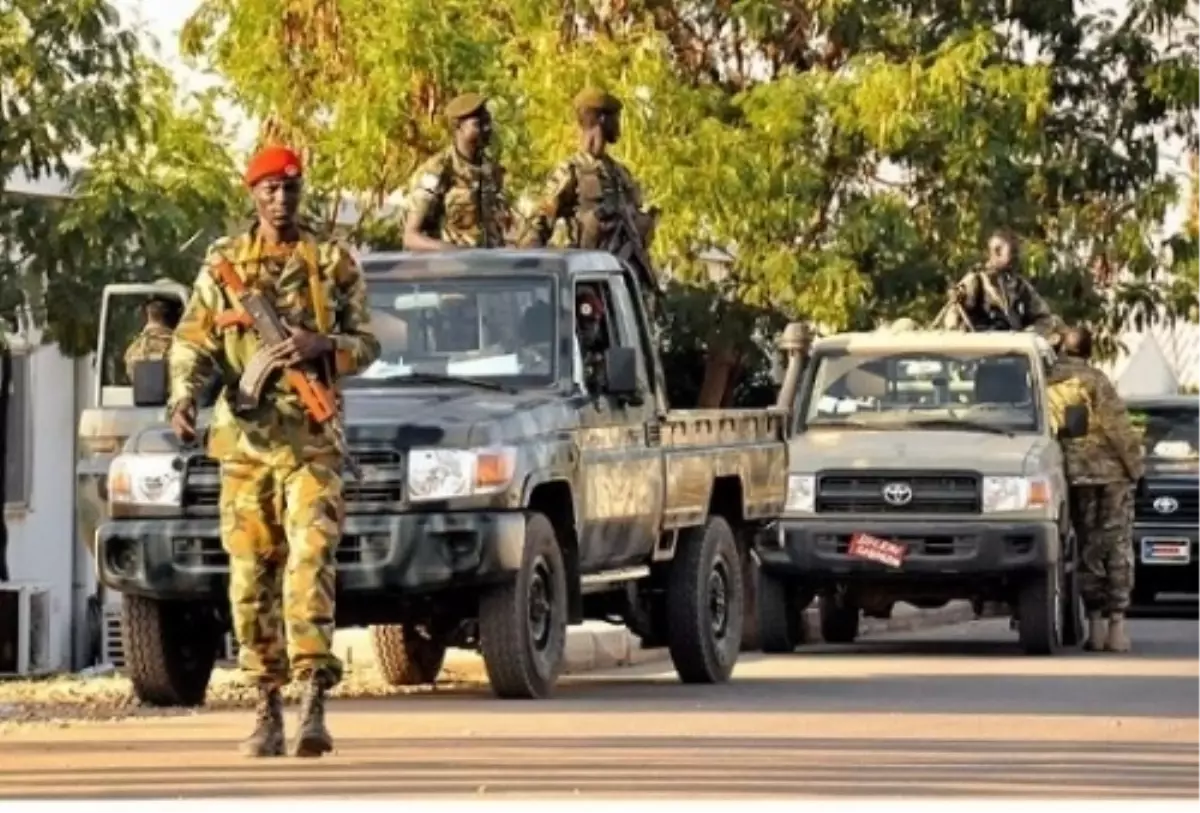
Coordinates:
[267,739]
[313,739]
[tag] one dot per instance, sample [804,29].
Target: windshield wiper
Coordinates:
[961,423]
[840,424]
[441,378]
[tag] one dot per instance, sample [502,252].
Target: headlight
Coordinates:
[801,494]
[145,479]
[1015,494]
[442,474]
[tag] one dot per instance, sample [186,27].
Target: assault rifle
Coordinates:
[316,397]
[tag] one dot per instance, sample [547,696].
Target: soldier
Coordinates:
[154,341]
[593,339]
[999,298]
[456,198]
[281,486]
[591,190]
[1102,469]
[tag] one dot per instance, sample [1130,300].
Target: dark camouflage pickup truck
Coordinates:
[514,480]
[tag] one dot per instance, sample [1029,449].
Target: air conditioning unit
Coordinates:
[24,629]
[112,650]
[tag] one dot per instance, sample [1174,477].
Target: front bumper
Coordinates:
[378,555]
[1165,558]
[947,550]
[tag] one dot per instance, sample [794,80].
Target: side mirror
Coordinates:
[1075,422]
[620,372]
[150,387]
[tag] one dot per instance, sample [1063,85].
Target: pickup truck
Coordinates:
[924,467]
[508,489]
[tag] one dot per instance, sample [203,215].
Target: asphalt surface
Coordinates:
[949,712]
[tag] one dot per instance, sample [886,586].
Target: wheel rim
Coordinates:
[718,600]
[541,606]
[1057,603]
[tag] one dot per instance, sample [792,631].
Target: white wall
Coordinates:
[41,534]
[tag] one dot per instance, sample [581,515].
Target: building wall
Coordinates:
[39,502]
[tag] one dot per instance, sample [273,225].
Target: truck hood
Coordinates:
[410,417]
[818,449]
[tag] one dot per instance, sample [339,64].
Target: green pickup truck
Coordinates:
[505,493]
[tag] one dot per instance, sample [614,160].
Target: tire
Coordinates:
[705,604]
[1074,630]
[523,652]
[1040,609]
[780,623]
[405,656]
[839,618]
[170,650]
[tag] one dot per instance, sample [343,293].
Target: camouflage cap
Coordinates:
[597,100]
[465,105]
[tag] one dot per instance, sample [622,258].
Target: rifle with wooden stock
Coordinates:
[317,398]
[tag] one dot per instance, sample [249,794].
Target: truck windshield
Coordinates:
[492,329]
[906,389]
[1169,433]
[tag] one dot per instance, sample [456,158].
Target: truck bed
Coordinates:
[702,446]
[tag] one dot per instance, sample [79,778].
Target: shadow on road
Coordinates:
[635,766]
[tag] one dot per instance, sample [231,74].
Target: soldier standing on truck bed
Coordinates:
[153,342]
[456,198]
[281,477]
[998,297]
[595,194]
[1102,469]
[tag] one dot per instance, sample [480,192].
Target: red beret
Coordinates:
[272,161]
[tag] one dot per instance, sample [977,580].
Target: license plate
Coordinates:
[874,549]
[1159,551]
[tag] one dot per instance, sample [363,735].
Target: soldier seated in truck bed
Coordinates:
[502,498]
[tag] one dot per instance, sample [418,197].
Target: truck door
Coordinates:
[110,416]
[622,461]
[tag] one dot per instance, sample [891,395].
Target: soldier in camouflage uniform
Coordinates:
[281,476]
[153,343]
[999,298]
[1102,468]
[456,198]
[593,339]
[590,187]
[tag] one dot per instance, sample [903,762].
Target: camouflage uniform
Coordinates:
[586,191]
[281,488]
[1102,468]
[456,200]
[152,344]
[989,300]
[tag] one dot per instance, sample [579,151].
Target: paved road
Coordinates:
[948,712]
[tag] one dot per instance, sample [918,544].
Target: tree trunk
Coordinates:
[719,371]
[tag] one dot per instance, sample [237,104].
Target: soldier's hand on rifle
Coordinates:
[303,346]
[183,421]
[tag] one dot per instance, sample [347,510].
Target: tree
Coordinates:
[68,83]
[851,157]
[134,215]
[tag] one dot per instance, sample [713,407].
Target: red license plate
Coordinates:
[874,549]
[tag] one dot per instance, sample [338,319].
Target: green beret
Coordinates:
[598,100]
[465,105]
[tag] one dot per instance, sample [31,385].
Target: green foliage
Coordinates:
[852,156]
[135,215]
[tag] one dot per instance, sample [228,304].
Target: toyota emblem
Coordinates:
[1166,505]
[897,494]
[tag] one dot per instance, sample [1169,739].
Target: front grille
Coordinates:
[382,483]
[931,493]
[207,553]
[1186,501]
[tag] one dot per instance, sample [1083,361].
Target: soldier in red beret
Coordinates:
[281,474]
